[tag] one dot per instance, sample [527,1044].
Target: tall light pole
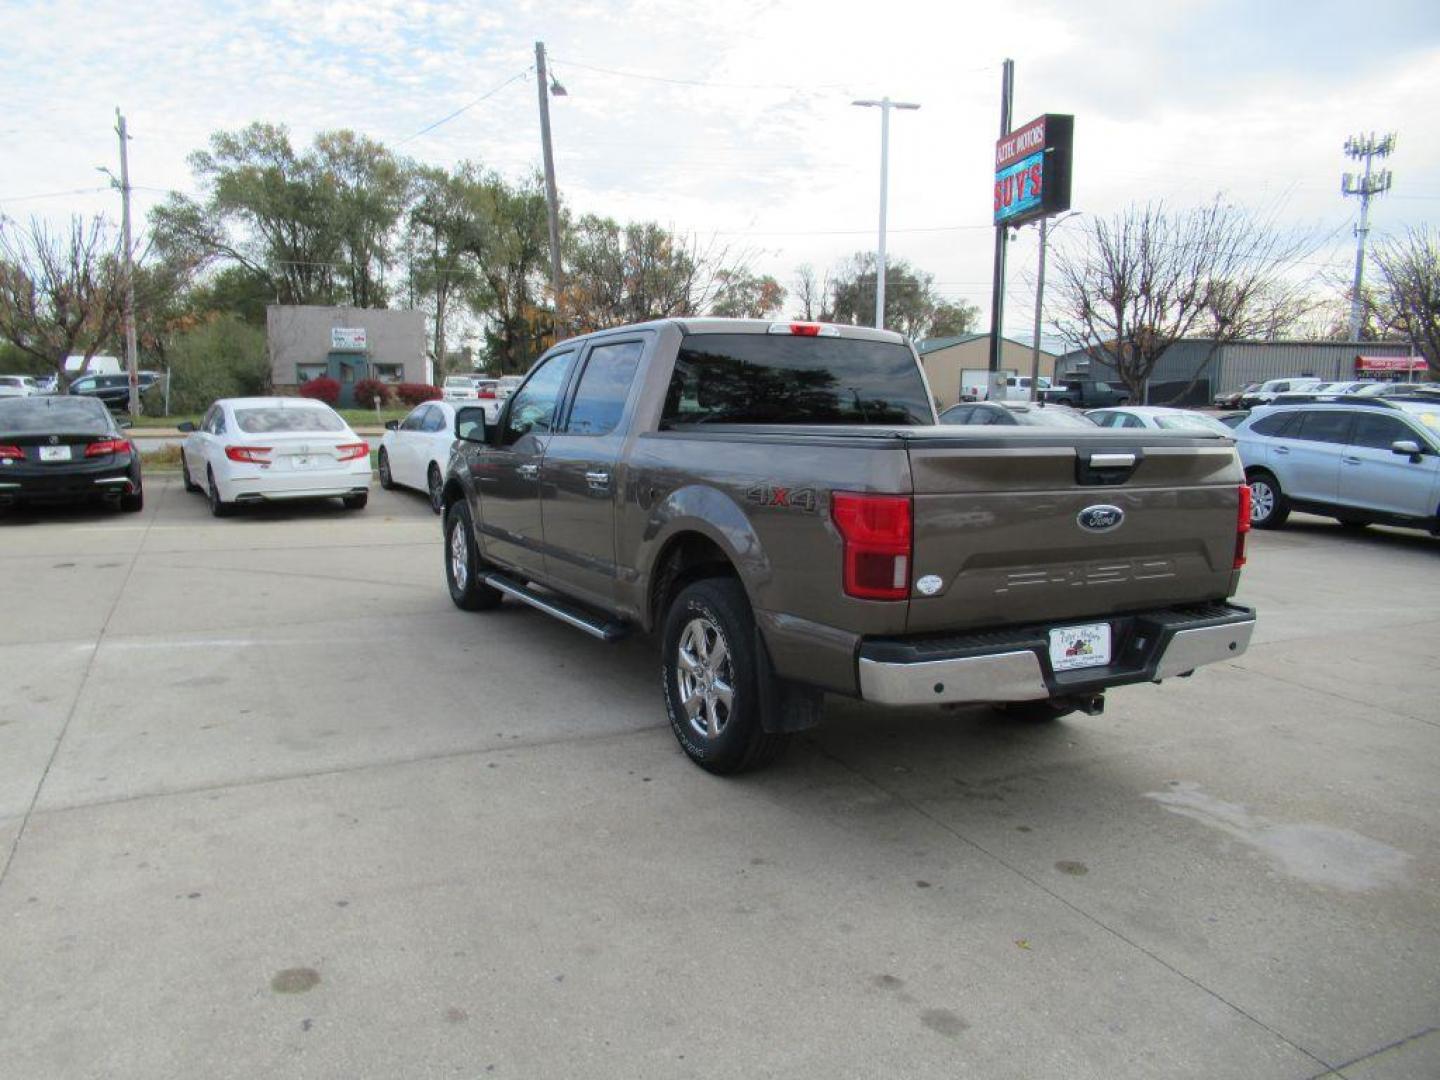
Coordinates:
[1040,305]
[1366,186]
[552,199]
[884,105]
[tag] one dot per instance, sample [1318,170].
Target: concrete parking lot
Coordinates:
[271,806]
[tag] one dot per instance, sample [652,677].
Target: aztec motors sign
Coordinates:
[1032,170]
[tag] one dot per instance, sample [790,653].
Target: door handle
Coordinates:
[528,472]
[1282,449]
[597,479]
[1352,461]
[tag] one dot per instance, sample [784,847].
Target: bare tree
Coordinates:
[1150,277]
[812,295]
[1410,289]
[61,294]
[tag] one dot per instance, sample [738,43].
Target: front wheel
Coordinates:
[190,485]
[1268,508]
[711,684]
[462,562]
[386,480]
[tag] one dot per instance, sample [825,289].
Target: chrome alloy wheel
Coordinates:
[459,556]
[705,677]
[1262,501]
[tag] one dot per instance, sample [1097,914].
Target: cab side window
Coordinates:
[532,409]
[434,420]
[415,419]
[604,388]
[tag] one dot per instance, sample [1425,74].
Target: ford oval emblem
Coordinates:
[1100,518]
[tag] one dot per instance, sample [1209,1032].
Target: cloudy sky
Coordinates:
[733,120]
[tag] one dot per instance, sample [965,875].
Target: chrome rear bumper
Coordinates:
[1014,665]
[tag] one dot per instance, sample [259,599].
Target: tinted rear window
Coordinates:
[1278,424]
[774,379]
[41,416]
[265,420]
[1051,417]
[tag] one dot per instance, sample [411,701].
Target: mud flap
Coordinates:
[785,706]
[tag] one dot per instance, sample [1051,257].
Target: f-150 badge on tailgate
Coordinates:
[1100,518]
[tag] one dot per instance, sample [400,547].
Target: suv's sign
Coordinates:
[1032,170]
[1100,518]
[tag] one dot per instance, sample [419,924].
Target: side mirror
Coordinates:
[392,425]
[1408,447]
[185,426]
[470,424]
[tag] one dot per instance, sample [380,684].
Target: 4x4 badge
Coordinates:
[1100,518]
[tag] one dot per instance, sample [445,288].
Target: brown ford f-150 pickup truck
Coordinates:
[777,502]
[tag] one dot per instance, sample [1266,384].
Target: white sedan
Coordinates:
[261,449]
[1158,416]
[415,451]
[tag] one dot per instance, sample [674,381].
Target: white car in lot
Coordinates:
[1157,418]
[460,388]
[249,450]
[17,386]
[415,451]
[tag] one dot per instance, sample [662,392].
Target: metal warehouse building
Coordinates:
[1238,364]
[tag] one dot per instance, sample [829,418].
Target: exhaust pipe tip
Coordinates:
[1091,704]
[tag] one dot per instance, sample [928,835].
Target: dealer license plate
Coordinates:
[1080,646]
[54,453]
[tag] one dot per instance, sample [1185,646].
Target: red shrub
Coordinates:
[323,389]
[413,393]
[372,392]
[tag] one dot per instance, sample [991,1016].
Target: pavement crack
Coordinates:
[1094,920]
[1338,1070]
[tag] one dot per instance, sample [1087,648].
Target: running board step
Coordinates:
[592,623]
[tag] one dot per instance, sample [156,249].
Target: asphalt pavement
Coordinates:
[271,806]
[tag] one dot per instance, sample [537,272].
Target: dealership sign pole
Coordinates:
[1032,181]
[997,293]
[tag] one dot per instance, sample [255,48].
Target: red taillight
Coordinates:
[486,392]
[248,455]
[876,532]
[1242,526]
[11,453]
[108,446]
[351,451]
[803,329]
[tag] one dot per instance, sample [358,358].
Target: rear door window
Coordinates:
[1325,426]
[604,387]
[789,379]
[1276,425]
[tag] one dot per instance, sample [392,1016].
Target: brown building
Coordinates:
[346,344]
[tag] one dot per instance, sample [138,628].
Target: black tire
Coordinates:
[715,611]
[218,507]
[190,485]
[435,485]
[462,562]
[356,502]
[1035,712]
[1268,506]
[386,480]
[134,502]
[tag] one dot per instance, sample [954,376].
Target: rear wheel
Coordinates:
[435,484]
[386,480]
[1268,508]
[218,506]
[190,485]
[710,674]
[462,562]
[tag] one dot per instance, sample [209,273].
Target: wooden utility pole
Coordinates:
[131,361]
[552,200]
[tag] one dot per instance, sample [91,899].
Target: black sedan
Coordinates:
[113,390]
[65,449]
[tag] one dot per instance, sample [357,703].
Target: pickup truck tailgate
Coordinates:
[997,518]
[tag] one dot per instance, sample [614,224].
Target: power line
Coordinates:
[465,108]
[55,194]
[698,82]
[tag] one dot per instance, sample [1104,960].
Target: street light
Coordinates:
[1040,302]
[884,105]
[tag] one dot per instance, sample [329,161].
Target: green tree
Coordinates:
[318,226]
[953,319]
[911,306]
[449,234]
[514,266]
[221,357]
[743,295]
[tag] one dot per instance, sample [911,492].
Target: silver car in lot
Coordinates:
[1360,460]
